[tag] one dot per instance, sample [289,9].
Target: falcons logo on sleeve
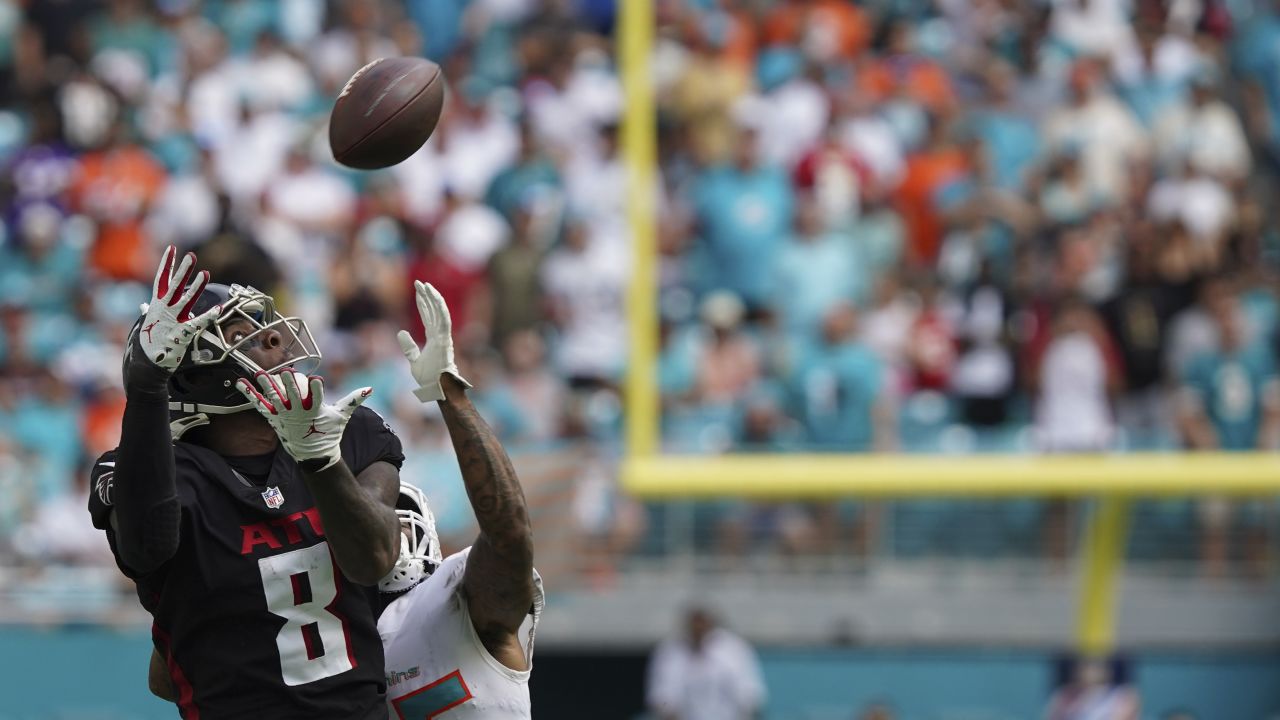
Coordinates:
[103,486]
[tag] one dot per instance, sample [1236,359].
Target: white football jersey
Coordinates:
[436,665]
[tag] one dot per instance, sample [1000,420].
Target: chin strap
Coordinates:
[179,427]
[200,416]
[175,406]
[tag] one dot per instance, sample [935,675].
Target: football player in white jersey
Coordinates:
[451,627]
[437,663]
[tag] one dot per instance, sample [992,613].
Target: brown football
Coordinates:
[386,111]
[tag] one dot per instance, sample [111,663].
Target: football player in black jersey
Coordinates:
[451,627]
[255,521]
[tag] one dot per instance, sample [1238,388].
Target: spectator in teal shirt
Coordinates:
[1229,396]
[127,27]
[243,20]
[46,421]
[1230,402]
[42,263]
[1009,137]
[1257,58]
[533,177]
[439,22]
[816,269]
[744,214]
[839,386]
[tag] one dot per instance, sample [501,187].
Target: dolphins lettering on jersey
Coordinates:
[395,677]
[261,533]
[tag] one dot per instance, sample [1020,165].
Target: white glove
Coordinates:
[167,326]
[308,428]
[436,356]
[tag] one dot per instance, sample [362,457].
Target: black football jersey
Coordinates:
[252,613]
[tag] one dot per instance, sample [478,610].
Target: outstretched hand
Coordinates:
[435,358]
[167,327]
[294,406]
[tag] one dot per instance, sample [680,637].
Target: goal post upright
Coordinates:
[635,26]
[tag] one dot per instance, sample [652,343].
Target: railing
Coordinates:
[610,559]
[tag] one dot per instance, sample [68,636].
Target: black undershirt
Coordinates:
[254,468]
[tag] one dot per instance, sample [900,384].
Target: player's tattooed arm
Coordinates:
[499,577]
[359,517]
[498,582]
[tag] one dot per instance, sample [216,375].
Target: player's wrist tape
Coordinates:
[144,379]
[427,393]
[435,391]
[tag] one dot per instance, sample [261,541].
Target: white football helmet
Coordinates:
[419,547]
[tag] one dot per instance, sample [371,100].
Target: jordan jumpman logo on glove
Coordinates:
[294,406]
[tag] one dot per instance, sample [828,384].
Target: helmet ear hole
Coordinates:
[181,383]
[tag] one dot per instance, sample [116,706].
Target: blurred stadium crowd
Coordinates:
[911,225]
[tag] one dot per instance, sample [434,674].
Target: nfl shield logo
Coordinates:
[273,497]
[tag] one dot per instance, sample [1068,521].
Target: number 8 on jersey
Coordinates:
[299,586]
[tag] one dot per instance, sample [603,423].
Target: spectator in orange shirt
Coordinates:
[729,29]
[824,29]
[902,72]
[938,162]
[114,187]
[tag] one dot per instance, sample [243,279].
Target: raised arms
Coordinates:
[498,583]
[145,512]
[499,576]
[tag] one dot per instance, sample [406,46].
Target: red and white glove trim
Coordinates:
[167,325]
[294,406]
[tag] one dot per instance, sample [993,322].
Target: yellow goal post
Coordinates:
[648,474]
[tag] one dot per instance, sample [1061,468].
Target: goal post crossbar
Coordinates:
[783,477]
